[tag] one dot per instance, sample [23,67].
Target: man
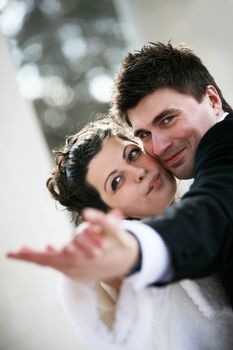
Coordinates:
[173,103]
[178,111]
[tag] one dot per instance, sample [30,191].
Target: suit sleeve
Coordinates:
[199,230]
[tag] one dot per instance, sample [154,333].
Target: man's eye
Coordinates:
[144,135]
[167,120]
[133,154]
[115,183]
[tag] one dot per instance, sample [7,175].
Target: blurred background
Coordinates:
[58,60]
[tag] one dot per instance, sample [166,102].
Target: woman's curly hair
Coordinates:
[67,182]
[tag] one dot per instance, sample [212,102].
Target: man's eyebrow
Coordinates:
[114,171]
[157,119]
[138,132]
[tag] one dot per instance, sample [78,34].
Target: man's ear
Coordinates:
[214,98]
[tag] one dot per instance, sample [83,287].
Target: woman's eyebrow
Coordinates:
[124,151]
[115,170]
[105,183]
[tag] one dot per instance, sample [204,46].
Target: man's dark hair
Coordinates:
[160,65]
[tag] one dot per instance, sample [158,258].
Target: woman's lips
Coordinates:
[154,183]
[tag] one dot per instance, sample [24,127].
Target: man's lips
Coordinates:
[174,158]
[154,183]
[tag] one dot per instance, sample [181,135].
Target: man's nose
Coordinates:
[160,143]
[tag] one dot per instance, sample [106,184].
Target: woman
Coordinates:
[105,167]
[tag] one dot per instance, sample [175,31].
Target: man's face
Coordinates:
[171,124]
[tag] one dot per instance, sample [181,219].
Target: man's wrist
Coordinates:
[154,264]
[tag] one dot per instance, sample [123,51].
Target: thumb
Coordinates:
[93,216]
[117,213]
[108,223]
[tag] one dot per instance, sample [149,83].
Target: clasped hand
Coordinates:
[99,250]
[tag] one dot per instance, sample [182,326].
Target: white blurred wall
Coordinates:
[31,317]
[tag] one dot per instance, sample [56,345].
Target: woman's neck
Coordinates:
[114,283]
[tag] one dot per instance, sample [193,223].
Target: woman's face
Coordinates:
[129,179]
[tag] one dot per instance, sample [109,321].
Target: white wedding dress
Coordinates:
[189,315]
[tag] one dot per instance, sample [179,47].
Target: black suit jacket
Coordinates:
[199,230]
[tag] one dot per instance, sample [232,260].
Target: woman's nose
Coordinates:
[139,174]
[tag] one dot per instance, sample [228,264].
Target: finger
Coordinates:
[86,227]
[95,229]
[13,255]
[35,256]
[81,228]
[109,224]
[20,252]
[50,249]
[57,260]
[96,238]
[29,255]
[87,245]
[101,220]
[93,216]
[68,249]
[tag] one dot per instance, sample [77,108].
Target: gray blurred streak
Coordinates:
[64,51]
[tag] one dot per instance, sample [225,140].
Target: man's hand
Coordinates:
[99,250]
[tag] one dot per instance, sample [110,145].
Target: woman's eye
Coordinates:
[133,154]
[115,183]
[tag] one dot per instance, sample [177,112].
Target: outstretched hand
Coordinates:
[100,249]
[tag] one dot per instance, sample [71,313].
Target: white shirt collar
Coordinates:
[223,116]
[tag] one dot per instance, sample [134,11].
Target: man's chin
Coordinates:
[183,172]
